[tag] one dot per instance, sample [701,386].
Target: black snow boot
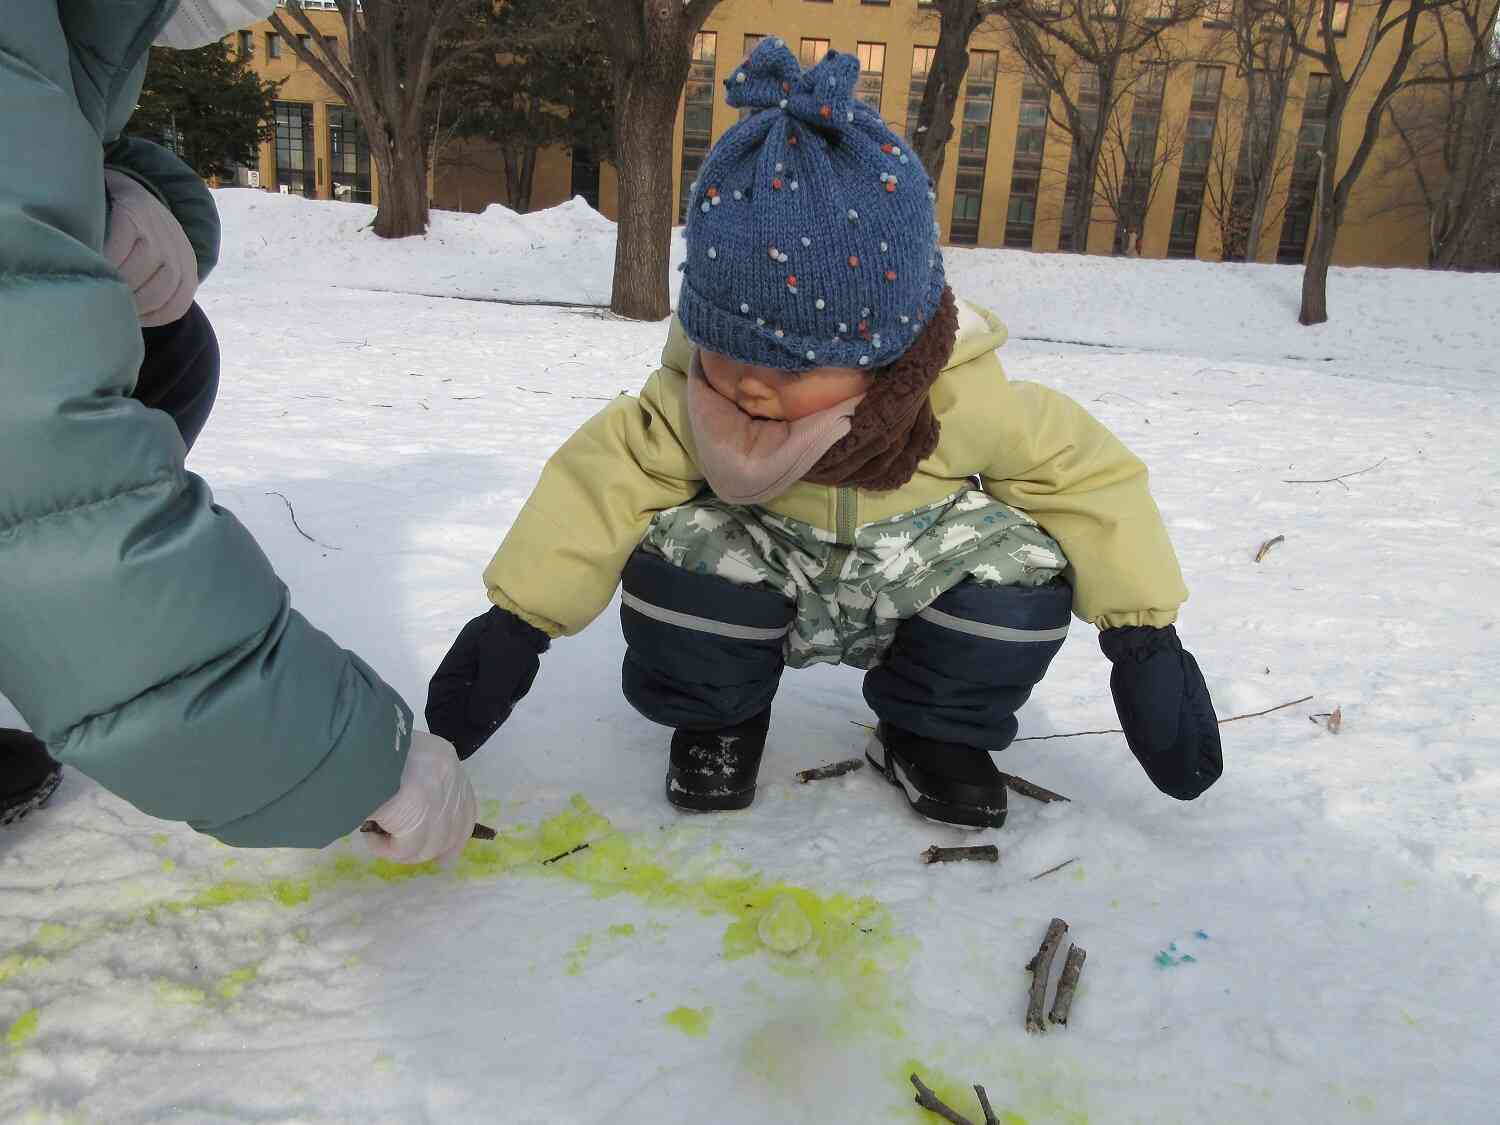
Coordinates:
[944,781]
[714,770]
[28,775]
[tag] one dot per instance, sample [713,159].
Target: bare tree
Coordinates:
[1379,55]
[1138,151]
[1089,54]
[1450,137]
[1245,186]
[391,46]
[1265,55]
[957,22]
[650,49]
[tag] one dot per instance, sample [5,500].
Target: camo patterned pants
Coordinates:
[849,600]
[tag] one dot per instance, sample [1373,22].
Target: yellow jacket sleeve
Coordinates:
[1056,462]
[561,561]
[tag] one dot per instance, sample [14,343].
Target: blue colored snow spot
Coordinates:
[1200,935]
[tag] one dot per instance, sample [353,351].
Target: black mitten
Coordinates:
[488,670]
[1164,708]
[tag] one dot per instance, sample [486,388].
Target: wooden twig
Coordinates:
[1040,968]
[480,832]
[1117,730]
[985,853]
[1342,477]
[1267,711]
[823,773]
[1031,789]
[1267,545]
[293,513]
[1066,985]
[934,1104]
[984,1104]
[566,854]
[1052,870]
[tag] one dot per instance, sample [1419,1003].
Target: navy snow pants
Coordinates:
[704,652]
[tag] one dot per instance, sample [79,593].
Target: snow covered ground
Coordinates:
[1315,940]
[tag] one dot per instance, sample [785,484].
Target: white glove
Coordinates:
[151,251]
[433,813]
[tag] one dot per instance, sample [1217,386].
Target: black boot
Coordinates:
[28,775]
[944,781]
[714,770]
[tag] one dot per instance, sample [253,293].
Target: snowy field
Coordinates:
[1315,940]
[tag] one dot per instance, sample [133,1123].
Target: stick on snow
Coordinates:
[480,832]
[823,773]
[1267,545]
[1031,789]
[1066,984]
[986,853]
[1040,968]
[934,1104]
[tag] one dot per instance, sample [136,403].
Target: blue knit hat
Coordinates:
[810,235]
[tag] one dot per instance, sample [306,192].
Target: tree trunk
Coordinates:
[1265,184]
[1320,253]
[945,79]
[646,105]
[402,210]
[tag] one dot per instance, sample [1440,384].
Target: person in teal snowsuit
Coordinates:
[144,637]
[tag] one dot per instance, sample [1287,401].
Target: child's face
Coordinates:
[765,392]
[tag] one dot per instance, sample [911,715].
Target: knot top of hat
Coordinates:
[771,78]
[811,240]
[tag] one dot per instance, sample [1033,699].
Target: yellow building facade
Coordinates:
[1004,180]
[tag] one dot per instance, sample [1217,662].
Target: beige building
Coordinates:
[1004,179]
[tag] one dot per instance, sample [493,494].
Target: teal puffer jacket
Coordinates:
[143,634]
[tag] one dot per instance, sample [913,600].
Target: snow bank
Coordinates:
[1387,325]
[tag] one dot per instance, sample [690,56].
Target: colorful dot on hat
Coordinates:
[716,200]
[854,261]
[706,205]
[843,327]
[905,319]
[791,138]
[713,193]
[712,253]
[876,340]
[740,76]
[781,256]
[903,158]
[853,215]
[884,176]
[776,184]
[793,185]
[786,87]
[779,333]
[791,281]
[806,241]
[811,355]
[780,167]
[744,308]
[818,303]
[760,322]
[775,253]
[864,311]
[825,111]
[887,148]
[884,246]
[851,115]
[864,361]
[782,103]
[890,275]
[890,184]
[739,194]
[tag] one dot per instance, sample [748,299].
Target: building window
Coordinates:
[1197,152]
[871,74]
[1088,107]
[273,45]
[247,44]
[585,176]
[812,52]
[1218,13]
[973,147]
[294,149]
[1305,167]
[921,63]
[1340,16]
[883,3]
[751,42]
[305,42]
[348,156]
[1140,157]
[697,115]
[1031,140]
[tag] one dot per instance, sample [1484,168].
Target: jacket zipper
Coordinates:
[846,505]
